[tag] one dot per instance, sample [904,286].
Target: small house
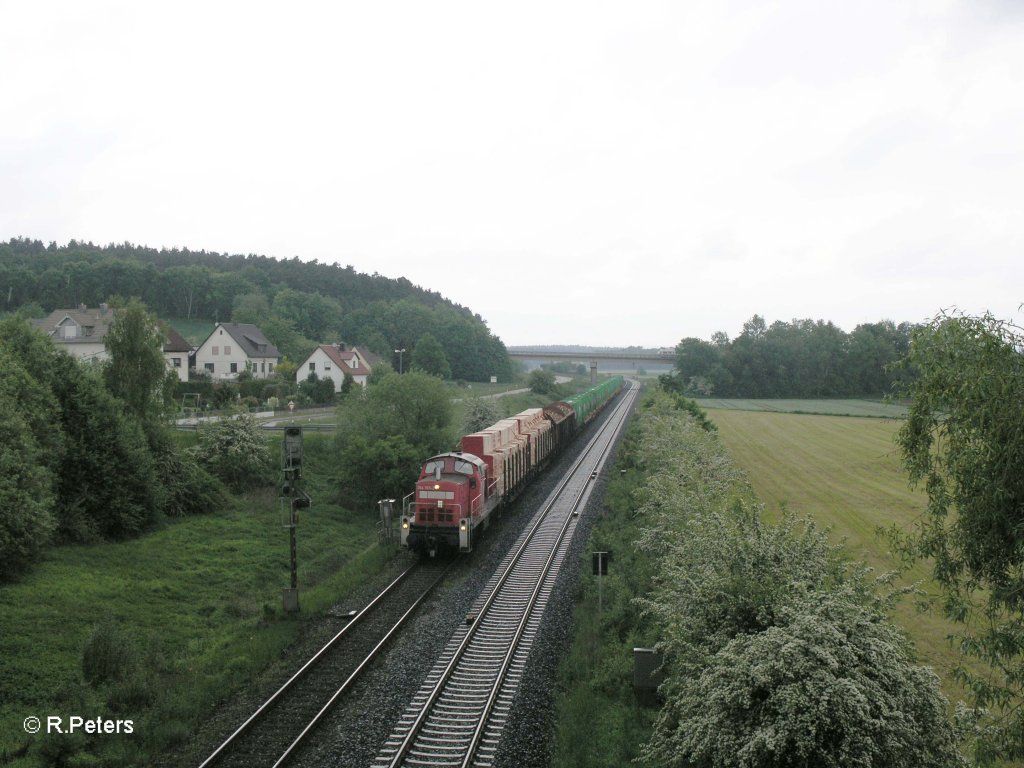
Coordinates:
[235,347]
[333,361]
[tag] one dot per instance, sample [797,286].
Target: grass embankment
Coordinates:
[601,723]
[843,473]
[197,605]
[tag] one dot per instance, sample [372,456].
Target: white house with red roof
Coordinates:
[333,361]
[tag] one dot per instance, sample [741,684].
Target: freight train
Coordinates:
[458,492]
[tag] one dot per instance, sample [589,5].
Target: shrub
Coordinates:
[830,683]
[188,489]
[480,413]
[236,451]
[109,654]
[542,382]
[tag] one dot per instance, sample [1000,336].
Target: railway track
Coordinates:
[274,732]
[457,717]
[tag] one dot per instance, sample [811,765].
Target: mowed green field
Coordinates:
[836,407]
[844,473]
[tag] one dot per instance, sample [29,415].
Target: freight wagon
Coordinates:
[458,492]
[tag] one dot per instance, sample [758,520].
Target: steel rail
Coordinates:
[358,671]
[245,726]
[417,725]
[619,417]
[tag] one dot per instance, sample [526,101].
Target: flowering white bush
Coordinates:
[236,451]
[777,652]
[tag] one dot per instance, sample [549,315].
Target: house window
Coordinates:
[209,367]
[263,367]
[216,350]
[227,349]
[312,367]
[327,365]
[270,367]
[234,367]
[176,362]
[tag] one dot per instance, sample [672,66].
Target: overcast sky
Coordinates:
[575,172]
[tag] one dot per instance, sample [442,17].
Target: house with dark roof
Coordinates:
[235,347]
[79,332]
[177,352]
[333,361]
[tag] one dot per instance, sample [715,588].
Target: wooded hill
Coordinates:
[297,304]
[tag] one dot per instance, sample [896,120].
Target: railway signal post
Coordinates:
[600,564]
[295,498]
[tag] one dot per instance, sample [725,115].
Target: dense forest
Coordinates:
[297,304]
[801,358]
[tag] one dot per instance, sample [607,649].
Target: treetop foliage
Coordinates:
[964,441]
[386,431]
[136,370]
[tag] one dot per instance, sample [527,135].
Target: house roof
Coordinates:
[250,339]
[371,358]
[174,341]
[96,321]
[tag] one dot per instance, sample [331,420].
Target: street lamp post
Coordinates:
[400,352]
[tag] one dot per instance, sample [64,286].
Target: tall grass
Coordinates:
[601,722]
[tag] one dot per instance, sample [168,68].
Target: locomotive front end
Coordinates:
[441,516]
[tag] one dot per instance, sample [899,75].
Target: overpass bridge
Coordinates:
[610,360]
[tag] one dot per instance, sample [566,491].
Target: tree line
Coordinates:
[297,304]
[801,358]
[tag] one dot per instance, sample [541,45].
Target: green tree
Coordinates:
[136,370]
[250,308]
[964,441]
[383,469]
[398,421]
[346,384]
[416,406]
[313,315]
[109,488]
[26,494]
[428,356]
[106,484]
[542,382]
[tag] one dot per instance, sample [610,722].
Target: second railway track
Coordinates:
[274,732]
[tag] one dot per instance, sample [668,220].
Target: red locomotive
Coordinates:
[458,492]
